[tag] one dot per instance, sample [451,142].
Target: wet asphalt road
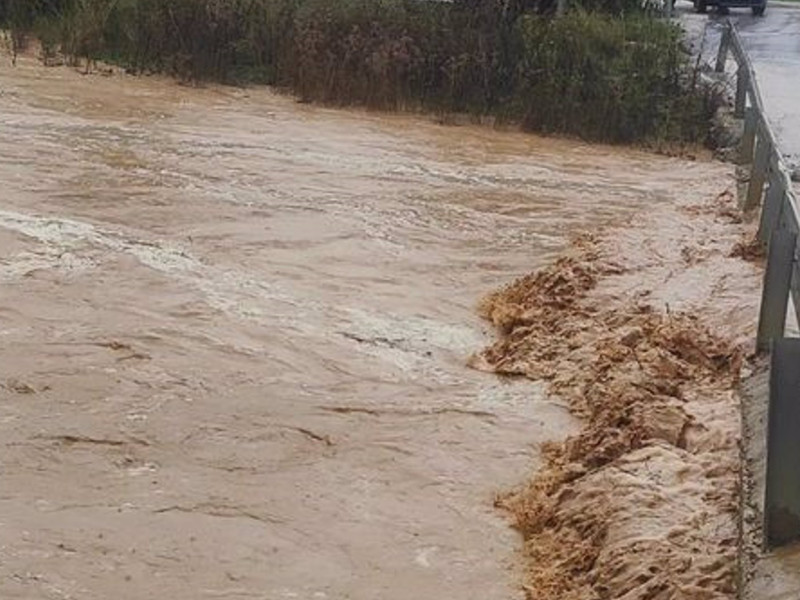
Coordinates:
[773,42]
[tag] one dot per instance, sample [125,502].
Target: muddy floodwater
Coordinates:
[233,338]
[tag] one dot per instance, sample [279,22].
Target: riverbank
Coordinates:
[643,331]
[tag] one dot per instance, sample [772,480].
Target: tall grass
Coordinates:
[614,74]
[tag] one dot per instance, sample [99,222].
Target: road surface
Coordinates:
[773,42]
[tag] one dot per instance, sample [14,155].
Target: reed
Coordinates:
[607,72]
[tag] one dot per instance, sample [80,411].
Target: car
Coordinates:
[757,6]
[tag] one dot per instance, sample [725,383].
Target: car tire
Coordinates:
[700,6]
[758,11]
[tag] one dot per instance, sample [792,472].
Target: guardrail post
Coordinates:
[741,91]
[773,204]
[758,175]
[777,284]
[748,137]
[782,500]
[724,46]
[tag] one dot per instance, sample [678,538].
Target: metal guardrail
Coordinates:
[779,229]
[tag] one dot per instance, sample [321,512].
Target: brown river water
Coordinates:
[234,332]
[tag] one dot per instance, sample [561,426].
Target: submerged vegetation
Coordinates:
[606,72]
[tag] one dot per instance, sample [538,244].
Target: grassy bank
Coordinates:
[614,75]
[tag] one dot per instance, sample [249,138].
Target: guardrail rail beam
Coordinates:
[780,227]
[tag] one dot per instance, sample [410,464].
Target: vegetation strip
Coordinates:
[613,74]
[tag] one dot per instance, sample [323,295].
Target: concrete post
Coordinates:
[782,501]
[777,283]
[773,204]
[722,53]
[741,91]
[758,176]
[748,147]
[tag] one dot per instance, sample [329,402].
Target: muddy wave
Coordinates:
[641,503]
